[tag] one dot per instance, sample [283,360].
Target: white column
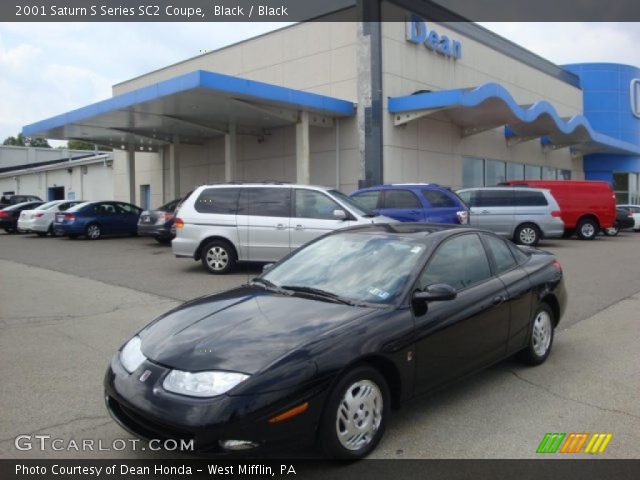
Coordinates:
[174,168]
[303,171]
[230,155]
[131,172]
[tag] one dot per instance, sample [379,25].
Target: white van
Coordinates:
[260,222]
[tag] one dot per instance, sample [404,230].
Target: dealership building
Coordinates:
[349,104]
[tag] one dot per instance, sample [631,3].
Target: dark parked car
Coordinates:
[159,223]
[420,202]
[7,200]
[624,220]
[9,215]
[326,341]
[95,219]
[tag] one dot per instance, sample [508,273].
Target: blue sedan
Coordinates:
[95,219]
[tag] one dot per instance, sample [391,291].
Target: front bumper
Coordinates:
[148,411]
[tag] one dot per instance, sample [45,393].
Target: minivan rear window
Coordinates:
[493,198]
[218,200]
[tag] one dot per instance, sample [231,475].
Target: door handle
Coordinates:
[299,227]
[497,300]
[280,226]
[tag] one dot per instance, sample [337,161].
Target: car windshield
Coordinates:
[78,207]
[48,205]
[359,209]
[357,266]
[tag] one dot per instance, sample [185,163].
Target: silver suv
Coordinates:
[524,214]
[223,224]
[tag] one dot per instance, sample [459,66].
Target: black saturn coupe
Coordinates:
[320,347]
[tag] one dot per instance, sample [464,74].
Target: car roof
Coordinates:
[507,187]
[415,230]
[265,185]
[408,186]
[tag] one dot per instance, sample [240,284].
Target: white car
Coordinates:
[260,222]
[635,211]
[41,219]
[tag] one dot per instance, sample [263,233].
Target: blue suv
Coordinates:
[415,202]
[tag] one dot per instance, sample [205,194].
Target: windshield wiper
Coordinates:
[269,285]
[319,293]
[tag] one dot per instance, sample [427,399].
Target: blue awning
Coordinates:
[491,106]
[192,107]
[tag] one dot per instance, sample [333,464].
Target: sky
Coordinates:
[51,68]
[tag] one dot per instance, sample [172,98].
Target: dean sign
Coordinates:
[418,32]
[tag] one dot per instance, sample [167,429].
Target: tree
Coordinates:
[82,145]
[22,141]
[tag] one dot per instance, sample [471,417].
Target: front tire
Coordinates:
[587,229]
[355,415]
[527,234]
[93,231]
[612,231]
[541,335]
[218,257]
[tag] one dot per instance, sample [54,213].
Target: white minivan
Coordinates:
[259,222]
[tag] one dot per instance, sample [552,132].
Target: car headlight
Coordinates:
[202,384]
[131,355]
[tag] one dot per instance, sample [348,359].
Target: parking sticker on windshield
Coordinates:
[378,293]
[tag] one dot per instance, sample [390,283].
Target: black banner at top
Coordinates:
[315,10]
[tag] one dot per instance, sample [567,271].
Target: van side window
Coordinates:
[438,199]
[495,198]
[265,202]
[400,199]
[312,204]
[218,200]
[529,199]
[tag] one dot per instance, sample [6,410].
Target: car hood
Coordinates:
[242,330]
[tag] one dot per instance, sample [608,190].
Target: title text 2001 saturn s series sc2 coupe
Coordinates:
[324,343]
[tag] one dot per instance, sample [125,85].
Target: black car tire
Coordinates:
[587,229]
[41,234]
[527,234]
[93,231]
[163,240]
[612,231]
[336,404]
[218,257]
[531,354]
[72,236]
[9,230]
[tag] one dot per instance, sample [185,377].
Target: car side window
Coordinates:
[460,262]
[312,204]
[501,253]
[368,200]
[265,202]
[400,199]
[438,199]
[105,209]
[529,199]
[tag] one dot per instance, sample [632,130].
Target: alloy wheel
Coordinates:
[93,232]
[541,333]
[588,230]
[528,236]
[359,415]
[217,258]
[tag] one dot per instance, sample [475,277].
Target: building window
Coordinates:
[495,172]
[515,171]
[472,172]
[625,186]
[549,173]
[532,172]
[564,174]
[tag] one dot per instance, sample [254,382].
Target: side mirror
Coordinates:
[339,214]
[437,292]
[267,266]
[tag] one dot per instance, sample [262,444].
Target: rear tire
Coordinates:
[355,416]
[93,231]
[218,257]
[612,231]
[163,240]
[587,229]
[41,234]
[527,234]
[541,334]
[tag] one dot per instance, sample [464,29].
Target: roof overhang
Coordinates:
[104,158]
[190,108]
[491,106]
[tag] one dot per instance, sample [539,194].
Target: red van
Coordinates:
[586,207]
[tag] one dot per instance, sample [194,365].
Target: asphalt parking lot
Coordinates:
[66,306]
